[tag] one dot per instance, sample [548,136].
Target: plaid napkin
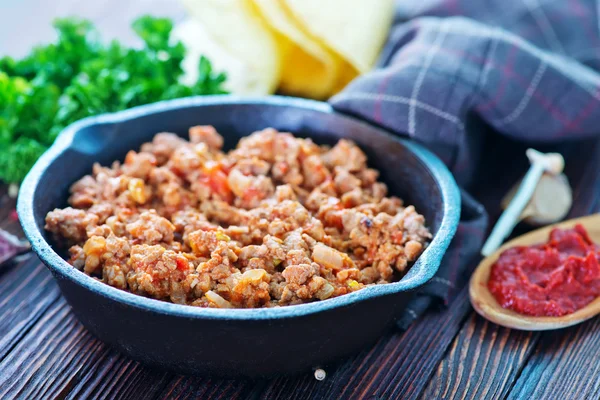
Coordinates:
[11,246]
[451,69]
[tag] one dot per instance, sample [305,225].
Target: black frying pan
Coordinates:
[251,342]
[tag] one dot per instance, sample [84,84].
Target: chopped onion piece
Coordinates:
[328,257]
[326,291]
[217,300]
[254,275]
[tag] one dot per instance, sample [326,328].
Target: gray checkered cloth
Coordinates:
[528,69]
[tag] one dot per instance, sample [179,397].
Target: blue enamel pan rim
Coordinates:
[421,272]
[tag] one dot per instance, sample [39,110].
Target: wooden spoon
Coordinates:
[486,305]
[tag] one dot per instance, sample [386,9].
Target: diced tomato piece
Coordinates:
[182,264]
[216,179]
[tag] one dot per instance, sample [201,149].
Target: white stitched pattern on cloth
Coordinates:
[443,281]
[401,100]
[489,62]
[536,11]
[412,123]
[552,60]
[412,312]
[527,96]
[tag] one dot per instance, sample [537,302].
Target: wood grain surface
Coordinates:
[563,362]
[483,362]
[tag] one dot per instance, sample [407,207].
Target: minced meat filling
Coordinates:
[277,221]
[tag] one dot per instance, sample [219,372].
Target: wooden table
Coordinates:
[450,353]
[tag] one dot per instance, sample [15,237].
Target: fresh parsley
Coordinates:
[78,76]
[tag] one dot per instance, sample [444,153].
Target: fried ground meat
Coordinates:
[277,221]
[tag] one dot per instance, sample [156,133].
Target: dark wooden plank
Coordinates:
[564,365]
[185,387]
[114,376]
[43,362]
[27,292]
[483,362]
[398,366]
[57,356]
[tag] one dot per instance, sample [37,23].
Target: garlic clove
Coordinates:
[551,200]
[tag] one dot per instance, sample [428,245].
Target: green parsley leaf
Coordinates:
[79,76]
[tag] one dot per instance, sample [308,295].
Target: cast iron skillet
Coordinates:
[250,342]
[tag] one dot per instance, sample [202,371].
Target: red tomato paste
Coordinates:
[551,279]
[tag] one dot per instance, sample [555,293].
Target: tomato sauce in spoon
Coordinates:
[551,279]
